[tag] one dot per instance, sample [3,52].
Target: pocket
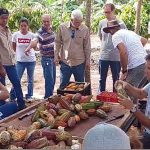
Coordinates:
[64,66]
[79,39]
[46,62]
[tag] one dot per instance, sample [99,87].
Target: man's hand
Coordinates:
[87,66]
[56,61]
[128,104]
[123,83]
[27,51]
[123,76]
[2,71]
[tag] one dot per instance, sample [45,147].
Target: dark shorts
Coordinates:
[146,140]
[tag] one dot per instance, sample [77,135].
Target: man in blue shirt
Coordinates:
[45,37]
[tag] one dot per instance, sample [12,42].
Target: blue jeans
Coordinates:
[66,71]
[30,66]
[14,79]
[49,71]
[103,70]
[11,106]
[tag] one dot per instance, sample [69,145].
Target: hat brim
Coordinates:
[107,29]
[4,15]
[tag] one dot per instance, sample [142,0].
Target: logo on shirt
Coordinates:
[22,40]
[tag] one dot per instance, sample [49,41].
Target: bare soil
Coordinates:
[39,79]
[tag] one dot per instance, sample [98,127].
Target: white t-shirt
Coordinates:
[147,112]
[22,41]
[132,41]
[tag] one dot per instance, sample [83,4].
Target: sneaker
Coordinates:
[22,107]
[29,100]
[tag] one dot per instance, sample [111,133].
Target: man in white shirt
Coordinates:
[131,50]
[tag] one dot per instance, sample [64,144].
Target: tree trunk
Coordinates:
[62,10]
[138,17]
[88,13]
[88,23]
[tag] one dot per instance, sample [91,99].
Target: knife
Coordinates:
[114,118]
[27,114]
[111,119]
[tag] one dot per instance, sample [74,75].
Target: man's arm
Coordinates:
[4,94]
[33,44]
[2,70]
[128,104]
[87,48]
[57,46]
[143,41]
[136,92]
[14,46]
[123,56]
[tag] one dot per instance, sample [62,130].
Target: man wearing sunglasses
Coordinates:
[108,56]
[73,49]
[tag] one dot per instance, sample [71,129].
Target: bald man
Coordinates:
[45,37]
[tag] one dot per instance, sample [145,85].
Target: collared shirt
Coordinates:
[46,42]
[73,46]
[7,54]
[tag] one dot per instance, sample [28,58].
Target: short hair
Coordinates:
[46,15]
[23,19]
[147,57]
[112,6]
[77,14]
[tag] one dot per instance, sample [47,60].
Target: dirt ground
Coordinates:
[39,79]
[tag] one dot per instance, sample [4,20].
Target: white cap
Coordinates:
[106,136]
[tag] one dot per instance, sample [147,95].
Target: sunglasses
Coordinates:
[72,34]
[107,12]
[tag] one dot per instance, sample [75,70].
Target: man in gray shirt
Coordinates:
[108,55]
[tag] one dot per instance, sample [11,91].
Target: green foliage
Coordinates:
[128,16]
[33,9]
[127,13]
[35,22]
[97,17]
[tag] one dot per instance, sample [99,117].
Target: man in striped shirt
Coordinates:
[45,37]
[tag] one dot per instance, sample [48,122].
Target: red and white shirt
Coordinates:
[22,42]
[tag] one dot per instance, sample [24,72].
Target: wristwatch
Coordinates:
[134,109]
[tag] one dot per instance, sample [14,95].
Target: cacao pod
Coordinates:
[100,113]
[91,112]
[38,143]
[71,122]
[83,115]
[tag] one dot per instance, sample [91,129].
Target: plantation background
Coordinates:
[60,11]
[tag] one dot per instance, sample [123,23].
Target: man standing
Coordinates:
[73,49]
[7,57]
[131,50]
[45,37]
[108,55]
[139,94]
